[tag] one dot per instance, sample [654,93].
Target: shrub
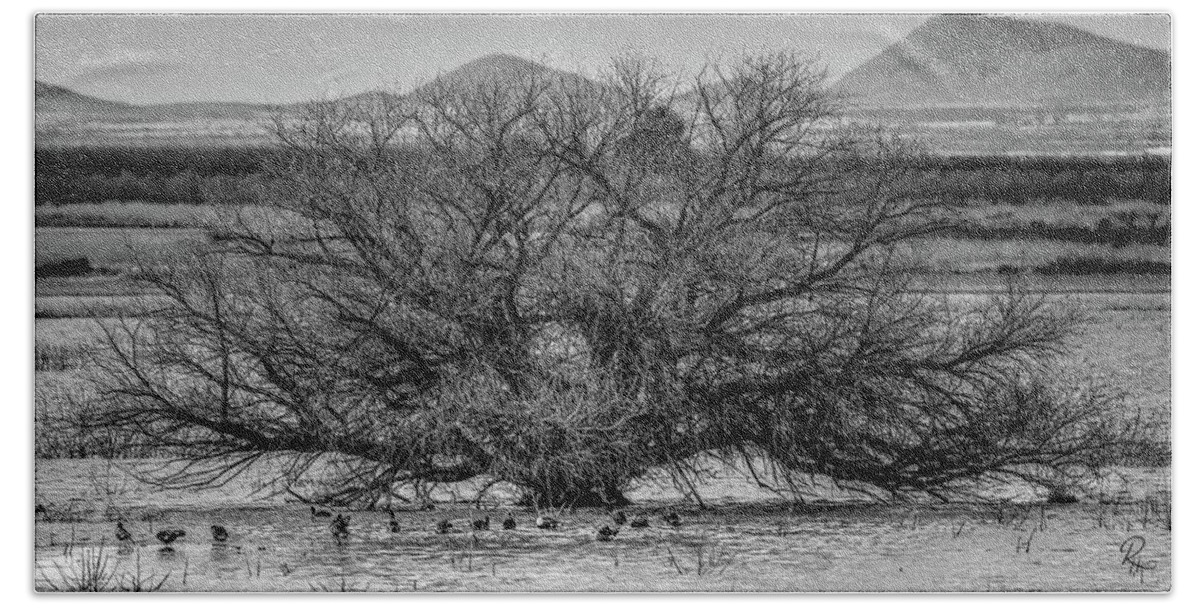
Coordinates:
[70,267]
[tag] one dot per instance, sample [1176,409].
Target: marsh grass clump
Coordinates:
[93,571]
[340,585]
[711,559]
[59,357]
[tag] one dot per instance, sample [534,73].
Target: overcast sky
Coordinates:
[288,58]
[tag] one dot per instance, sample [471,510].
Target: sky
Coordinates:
[265,58]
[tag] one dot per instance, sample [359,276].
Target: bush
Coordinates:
[1085,266]
[70,267]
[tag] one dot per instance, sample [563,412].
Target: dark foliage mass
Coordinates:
[1080,266]
[90,174]
[70,267]
[1082,180]
[193,175]
[566,286]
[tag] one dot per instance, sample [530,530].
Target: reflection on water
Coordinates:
[735,547]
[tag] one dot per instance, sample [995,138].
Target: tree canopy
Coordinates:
[565,285]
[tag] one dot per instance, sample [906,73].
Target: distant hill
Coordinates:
[997,61]
[964,84]
[498,67]
[63,116]
[53,99]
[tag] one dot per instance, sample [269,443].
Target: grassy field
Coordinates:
[112,247]
[117,214]
[112,235]
[952,255]
[1057,212]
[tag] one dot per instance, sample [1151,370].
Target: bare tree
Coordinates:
[565,285]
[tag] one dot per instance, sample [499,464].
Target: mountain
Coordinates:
[63,116]
[995,61]
[49,98]
[66,116]
[497,67]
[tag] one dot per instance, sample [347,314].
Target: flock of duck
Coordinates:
[339,526]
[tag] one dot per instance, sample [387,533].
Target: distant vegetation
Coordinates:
[1026,180]
[1079,266]
[235,175]
[156,175]
[69,267]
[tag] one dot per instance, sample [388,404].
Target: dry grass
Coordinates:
[112,247]
[66,307]
[115,214]
[958,255]
[93,571]
[1059,213]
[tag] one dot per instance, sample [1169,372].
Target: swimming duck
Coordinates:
[444,526]
[123,535]
[340,527]
[606,533]
[319,512]
[509,523]
[219,533]
[619,518]
[546,523]
[640,521]
[167,537]
[482,524]
[672,519]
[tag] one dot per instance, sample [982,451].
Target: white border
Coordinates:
[16,241]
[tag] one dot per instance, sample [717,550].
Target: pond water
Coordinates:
[1119,539]
[1121,544]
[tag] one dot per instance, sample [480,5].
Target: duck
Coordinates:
[640,521]
[672,519]
[606,533]
[546,523]
[340,527]
[316,513]
[444,526]
[482,524]
[219,533]
[619,518]
[167,537]
[123,535]
[509,522]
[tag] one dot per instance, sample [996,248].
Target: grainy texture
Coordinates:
[548,316]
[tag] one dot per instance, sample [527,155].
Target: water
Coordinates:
[732,546]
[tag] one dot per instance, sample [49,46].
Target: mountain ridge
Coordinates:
[988,61]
